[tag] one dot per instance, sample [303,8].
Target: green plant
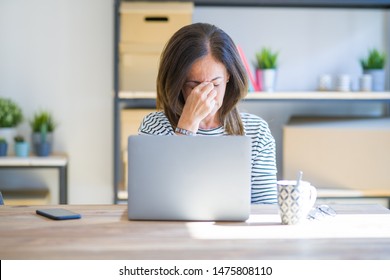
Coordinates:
[267,59]
[374,60]
[10,113]
[43,121]
[2,140]
[19,139]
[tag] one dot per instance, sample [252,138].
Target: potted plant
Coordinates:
[22,148]
[42,126]
[10,117]
[3,147]
[267,63]
[374,65]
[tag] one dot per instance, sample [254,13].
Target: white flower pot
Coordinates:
[269,79]
[378,79]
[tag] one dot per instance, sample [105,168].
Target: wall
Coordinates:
[311,42]
[58,55]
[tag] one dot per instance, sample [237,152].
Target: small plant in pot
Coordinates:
[3,147]
[267,63]
[43,126]
[374,65]
[10,113]
[10,117]
[22,148]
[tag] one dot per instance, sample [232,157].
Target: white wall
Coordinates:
[311,42]
[59,55]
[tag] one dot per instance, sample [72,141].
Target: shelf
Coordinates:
[337,193]
[319,95]
[288,3]
[137,99]
[56,161]
[31,161]
[137,95]
[292,95]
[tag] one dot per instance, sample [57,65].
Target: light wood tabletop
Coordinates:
[104,232]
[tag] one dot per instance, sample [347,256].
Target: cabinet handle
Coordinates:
[156,19]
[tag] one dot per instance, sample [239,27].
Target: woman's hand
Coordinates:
[199,103]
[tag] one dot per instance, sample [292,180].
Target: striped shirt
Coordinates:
[263,175]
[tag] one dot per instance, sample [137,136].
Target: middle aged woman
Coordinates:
[200,81]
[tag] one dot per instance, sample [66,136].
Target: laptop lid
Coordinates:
[189,178]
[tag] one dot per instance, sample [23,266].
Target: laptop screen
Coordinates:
[189,178]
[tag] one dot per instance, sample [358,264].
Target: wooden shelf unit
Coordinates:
[148,99]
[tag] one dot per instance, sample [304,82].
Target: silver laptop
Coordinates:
[189,178]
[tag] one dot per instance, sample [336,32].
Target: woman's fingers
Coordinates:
[198,105]
[211,99]
[201,101]
[203,90]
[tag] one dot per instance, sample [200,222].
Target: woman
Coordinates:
[200,81]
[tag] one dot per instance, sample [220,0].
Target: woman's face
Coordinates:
[207,69]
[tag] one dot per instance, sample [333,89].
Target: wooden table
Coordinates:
[59,162]
[104,232]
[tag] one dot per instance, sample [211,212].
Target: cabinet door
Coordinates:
[130,122]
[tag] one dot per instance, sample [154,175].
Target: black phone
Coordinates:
[58,214]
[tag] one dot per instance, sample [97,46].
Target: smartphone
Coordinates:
[58,214]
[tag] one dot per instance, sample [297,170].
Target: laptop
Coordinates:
[199,178]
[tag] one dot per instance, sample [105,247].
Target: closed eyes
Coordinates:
[193,84]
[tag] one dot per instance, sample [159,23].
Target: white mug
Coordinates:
[325,83]
[295,202]
[343,83]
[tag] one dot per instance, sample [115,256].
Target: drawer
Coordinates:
[130,122]
[344,153]
[138,71]
[142,22]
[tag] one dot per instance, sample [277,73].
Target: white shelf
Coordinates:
[320,95]
[137,95]
[339,192]
[288,95]
[53,160]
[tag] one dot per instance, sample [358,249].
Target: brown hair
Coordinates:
[188,44]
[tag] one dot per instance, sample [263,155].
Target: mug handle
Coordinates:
[313,196]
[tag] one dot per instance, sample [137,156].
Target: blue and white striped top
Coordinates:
[263,150]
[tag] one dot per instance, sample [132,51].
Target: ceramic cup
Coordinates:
[343,83]
[294,201]
[325,82]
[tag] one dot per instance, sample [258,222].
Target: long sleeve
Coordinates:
[263,160]
[155,124]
